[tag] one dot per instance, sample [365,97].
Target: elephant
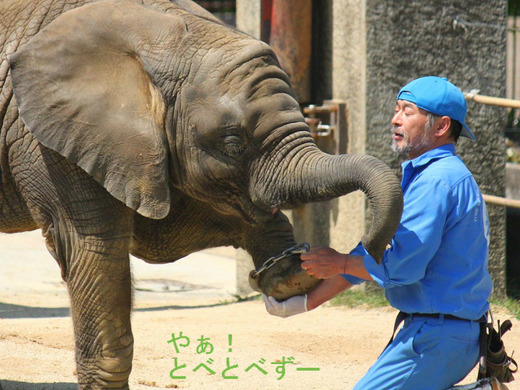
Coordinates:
[149,127]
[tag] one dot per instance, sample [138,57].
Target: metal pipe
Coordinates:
[493,101]
[496,200]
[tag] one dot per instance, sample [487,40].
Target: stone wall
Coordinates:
[416,38]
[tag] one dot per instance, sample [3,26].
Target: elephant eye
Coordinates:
[234,146]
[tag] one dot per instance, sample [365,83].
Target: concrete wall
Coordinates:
[513,181]
[249,17]
[513,58]
[349,83]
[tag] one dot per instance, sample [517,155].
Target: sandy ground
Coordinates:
[232,345]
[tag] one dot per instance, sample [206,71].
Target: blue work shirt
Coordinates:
[438,259]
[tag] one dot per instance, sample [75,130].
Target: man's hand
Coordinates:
[323,263]
[292,306]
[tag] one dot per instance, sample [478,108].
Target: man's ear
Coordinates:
[442,126]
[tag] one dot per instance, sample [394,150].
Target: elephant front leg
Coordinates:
[99,284]
[88,232]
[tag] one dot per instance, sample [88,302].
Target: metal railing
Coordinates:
[501,102]
[473,95]
[499,201]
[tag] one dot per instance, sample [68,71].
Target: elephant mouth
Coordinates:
[283,285]
[294,250]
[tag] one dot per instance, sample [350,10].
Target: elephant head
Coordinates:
[154,100]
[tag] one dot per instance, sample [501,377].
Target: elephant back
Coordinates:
[20,20]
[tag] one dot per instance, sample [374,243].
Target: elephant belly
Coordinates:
[153,244]
[14,213]
[190,227]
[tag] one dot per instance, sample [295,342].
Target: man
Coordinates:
[435,270]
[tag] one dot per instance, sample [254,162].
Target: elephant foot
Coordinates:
[111,370]
[282,288]
[103,380]
[103,387]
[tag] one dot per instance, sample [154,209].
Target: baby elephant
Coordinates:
[149,127]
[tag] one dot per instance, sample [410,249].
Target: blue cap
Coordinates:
[438,96]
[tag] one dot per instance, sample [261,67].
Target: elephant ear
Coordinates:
[83,91]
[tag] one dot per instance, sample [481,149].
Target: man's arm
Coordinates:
[326,290]
[325,263]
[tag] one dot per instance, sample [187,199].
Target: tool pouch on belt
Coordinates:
[494,361]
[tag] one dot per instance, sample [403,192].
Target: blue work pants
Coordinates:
[426,354]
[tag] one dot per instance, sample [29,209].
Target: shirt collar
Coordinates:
[446,150]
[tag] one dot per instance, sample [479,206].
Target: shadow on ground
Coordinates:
[10,311]
[12,385]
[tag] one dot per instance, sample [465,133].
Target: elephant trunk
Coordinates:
[310,175]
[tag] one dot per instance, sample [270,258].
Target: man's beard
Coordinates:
[403,149]
[407,147]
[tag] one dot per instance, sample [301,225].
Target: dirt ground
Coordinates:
[222,344]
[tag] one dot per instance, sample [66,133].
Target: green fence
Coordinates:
[225,10]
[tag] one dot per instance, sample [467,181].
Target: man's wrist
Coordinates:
[341,263]
[355,266]
[352,264]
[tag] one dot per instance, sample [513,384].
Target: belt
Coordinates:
[401,316]
[430,315]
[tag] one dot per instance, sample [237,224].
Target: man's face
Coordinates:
[410,130]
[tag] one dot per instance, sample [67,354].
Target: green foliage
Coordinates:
[513,7]
[513,136]
[509,304]
[359,298]
[512,301]
[376,299]
[512,152]
[373,299]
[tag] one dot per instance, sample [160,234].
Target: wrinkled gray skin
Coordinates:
[147,127]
